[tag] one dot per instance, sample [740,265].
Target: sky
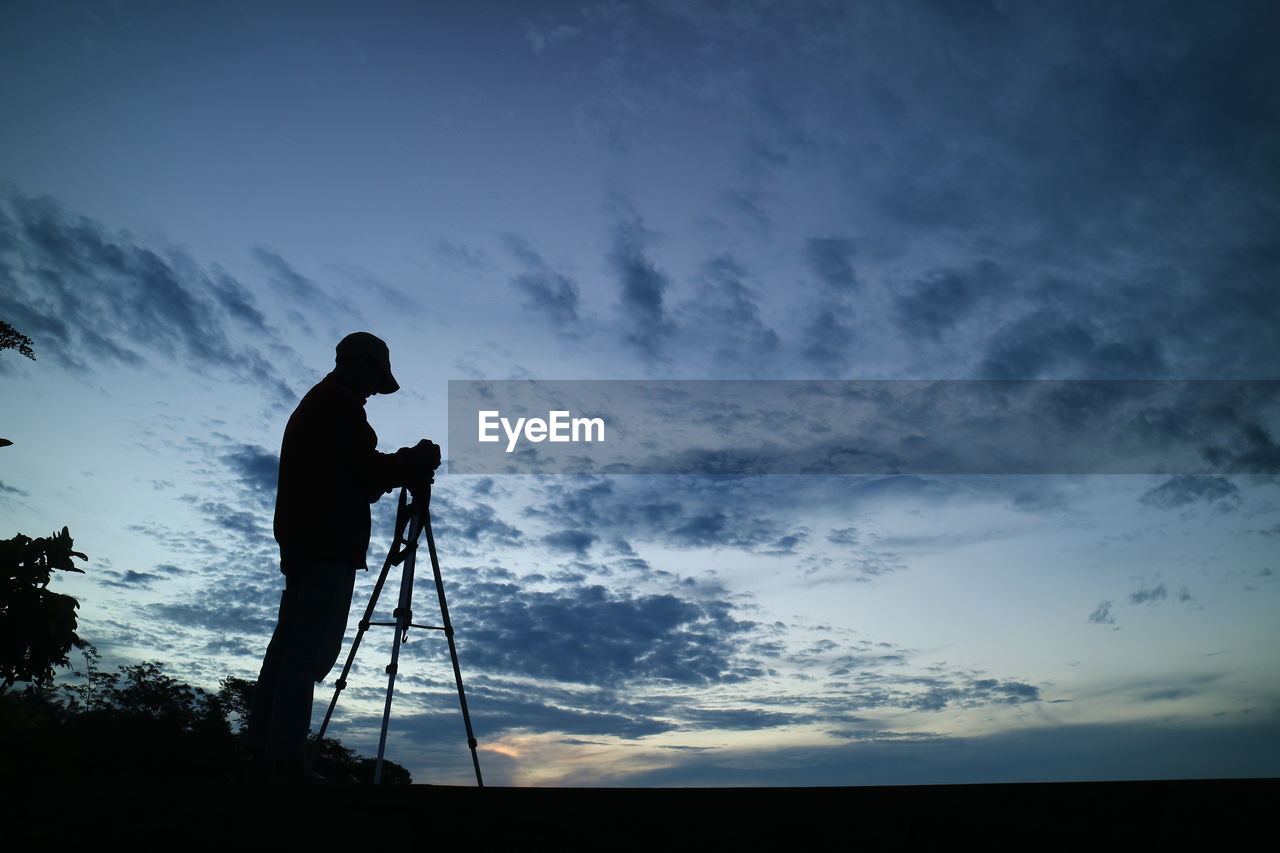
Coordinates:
[197,201]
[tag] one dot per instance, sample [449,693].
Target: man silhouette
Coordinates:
[330,472]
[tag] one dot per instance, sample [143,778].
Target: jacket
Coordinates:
[330,472]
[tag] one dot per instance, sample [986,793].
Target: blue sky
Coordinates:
[197,202]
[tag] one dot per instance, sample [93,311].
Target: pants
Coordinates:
[306,643]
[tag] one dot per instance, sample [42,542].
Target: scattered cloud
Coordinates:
[585,633]
[543,37]
[1102,614]
[831,259]
[1148,595]
[936,302]
[1177,492]
[724,310]
[96,299]
[549,293]
[642,286]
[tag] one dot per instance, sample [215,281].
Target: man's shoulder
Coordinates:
[326,406]
[329,393]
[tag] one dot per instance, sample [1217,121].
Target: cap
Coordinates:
[373,347]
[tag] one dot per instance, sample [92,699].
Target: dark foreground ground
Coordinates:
[180,815]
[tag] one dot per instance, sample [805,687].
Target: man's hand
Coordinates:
[424,459]
[427,455]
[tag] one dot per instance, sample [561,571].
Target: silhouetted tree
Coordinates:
[11,338]
[134,722]
[37,626]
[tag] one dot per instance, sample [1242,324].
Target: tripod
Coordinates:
[416,515]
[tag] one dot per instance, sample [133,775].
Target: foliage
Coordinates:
[11,338]
[139,722]
[336,763]
[37,626]
[135,722]
[236,696]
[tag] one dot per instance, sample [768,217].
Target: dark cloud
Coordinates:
[574,541]
[703,513]
[461,255]
[738,719]
[724,314]
[128,579]
[1101,614]
[1049,753]
[843,536]
[476,523]
[258,469]
[749,204]
[300,291]
[233,600]
[13,490]
[550,293]
[587,634]
[1148,595]
[95,299]
[864,660]
[642,286]
[252,527]
[937,301]
[1047,343]
[238,302]
[831,259]
[1186,490]
[231,646]
[976,692]
[391,297]
[219,619]
[827,341]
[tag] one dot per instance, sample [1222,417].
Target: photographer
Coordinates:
[330,472]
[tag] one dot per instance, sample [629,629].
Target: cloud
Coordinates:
[827,340]
[940,299]
[542,37]
[246,603]
[975,692]
[128,579]
[477,523]
[831,259]
[844,536]
[584,633]
[1146,749]
[461,255]
[573,541]
[1148,595]
[96,299]
[13,490]
[642,286]
[724,314]
[258,469]
[705,513]
[1189,489]
[250,526]
[1101,614]
[550,293]
[748,203]
[1047,343]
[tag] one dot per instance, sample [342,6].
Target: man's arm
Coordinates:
[408,466]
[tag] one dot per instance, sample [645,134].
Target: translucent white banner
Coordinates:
[863,427]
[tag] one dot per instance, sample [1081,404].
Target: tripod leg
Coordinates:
[393,554]
[403,616]
[453,649]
